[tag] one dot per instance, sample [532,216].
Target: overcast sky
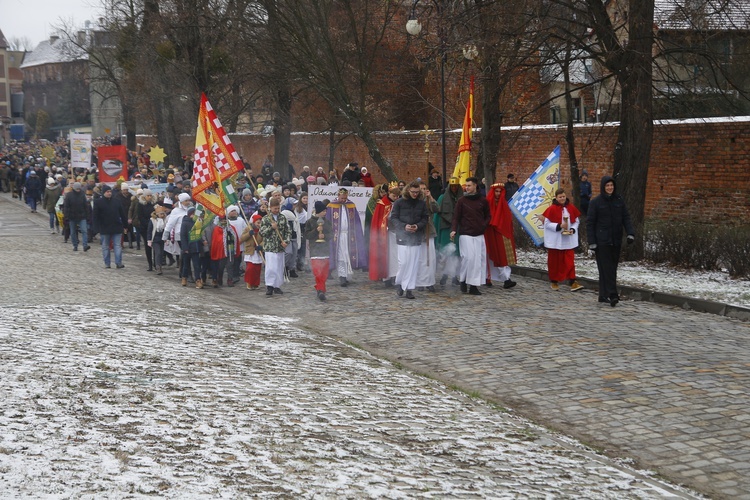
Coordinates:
[35,19]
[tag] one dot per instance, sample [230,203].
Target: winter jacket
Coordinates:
[319,248]
[109,216]
[33,187]
[435,185]
[271,236]
[607,218]
[143,211]
[185,244]
[250,238]
[75,206]
[471,215]
[408,210]
[51,195]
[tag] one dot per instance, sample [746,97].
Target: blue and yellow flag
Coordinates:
[536,194]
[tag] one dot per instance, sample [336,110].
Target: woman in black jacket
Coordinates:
[607,218]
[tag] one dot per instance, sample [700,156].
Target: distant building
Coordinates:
[56,88]
[11,91]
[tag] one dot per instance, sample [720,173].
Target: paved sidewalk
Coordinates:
[661,386]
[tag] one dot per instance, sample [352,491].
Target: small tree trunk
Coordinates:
[575,177]
[635,136]
[492,119]
[372,147]
[282,132]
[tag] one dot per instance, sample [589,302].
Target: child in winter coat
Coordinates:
[253,257]
[155,233]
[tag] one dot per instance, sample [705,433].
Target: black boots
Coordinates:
[269,290]
[474,290]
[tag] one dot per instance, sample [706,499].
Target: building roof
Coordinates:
[3,42]
[691,15]
[54,50]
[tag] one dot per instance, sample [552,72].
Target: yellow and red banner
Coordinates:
[215,161]
[462,171]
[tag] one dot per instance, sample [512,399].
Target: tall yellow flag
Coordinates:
[463,161]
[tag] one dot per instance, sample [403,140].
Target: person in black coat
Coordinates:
[408,219]
[33,188]
[608,218]
[191,250]
[109,220]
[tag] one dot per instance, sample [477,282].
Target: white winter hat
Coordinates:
[183,197]
[50,181]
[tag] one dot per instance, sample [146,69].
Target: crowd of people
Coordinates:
[410,238]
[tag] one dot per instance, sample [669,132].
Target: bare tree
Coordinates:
[334,47]
[21,43]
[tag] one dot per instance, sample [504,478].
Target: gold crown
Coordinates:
[392,184]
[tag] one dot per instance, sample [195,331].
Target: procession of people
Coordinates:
[408,240]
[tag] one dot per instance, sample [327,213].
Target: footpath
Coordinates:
[661,387]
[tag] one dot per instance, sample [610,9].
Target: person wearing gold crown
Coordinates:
[383,247]
[446,248]
[348,251]
[501,246]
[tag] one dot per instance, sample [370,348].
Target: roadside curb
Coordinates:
[646,295]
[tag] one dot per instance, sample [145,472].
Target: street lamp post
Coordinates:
[414,27]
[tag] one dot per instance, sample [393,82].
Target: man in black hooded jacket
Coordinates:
[608,217]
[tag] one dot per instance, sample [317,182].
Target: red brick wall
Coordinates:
[698,170]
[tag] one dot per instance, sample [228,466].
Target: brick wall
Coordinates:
[699,170]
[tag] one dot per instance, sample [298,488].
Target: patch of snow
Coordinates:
[180,404]
[716,286]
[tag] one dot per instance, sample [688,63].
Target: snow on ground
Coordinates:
[177,404]
[705,285]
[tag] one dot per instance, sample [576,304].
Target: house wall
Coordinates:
[699,170]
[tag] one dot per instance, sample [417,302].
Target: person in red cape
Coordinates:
[225,247]
[501,245]
[561,221]
[383,248]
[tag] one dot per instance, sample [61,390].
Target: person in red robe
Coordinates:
[561,221]
[501,245]
[383,248]
[225,247]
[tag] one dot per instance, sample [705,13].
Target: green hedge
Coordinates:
[688,245]
[692,245]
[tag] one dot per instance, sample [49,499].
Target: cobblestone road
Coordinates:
[665,388]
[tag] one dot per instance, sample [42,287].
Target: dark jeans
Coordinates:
[149,252]
[217,270]
[158,253]
[607,258]
[194,258]
[75,225]
[185,265]
[205,265]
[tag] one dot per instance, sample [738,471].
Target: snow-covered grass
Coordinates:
[705,285]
